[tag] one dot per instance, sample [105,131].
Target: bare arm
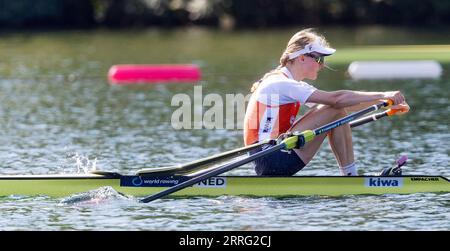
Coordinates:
[353,99]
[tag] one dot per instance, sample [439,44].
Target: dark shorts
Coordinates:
[280,163]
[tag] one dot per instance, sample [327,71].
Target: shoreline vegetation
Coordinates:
[221,14]
[440,53]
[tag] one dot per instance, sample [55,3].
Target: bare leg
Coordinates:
[340,138]
[341,143]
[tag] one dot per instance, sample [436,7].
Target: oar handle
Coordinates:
[389,102]
[393,111]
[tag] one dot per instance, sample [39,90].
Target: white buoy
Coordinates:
[395,69]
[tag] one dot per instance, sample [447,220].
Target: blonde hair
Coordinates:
[297,42]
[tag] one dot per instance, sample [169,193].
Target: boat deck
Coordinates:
[65,185]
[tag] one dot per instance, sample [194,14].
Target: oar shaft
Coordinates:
[374,117]
[240,151]
[349,118]
[368,119]
[213,173]
[197,164]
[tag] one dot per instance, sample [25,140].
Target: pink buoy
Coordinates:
[134,73]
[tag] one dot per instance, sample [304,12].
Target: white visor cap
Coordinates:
[315,46]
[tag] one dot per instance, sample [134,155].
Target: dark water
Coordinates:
[58,114]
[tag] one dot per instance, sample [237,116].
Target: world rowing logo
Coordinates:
[137,181]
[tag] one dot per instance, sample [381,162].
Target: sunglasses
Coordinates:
[317,58]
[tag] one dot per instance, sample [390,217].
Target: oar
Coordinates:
[374,117]
[294,141]
[205,161]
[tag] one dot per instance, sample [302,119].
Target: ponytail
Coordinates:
[257,83]
[283,62]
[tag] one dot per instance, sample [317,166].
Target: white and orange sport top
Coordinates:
[274,105]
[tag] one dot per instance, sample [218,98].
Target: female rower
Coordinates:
[277,98]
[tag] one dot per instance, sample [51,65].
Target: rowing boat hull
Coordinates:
[65,185]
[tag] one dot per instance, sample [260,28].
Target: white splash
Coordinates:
[96,196]
[84,164]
